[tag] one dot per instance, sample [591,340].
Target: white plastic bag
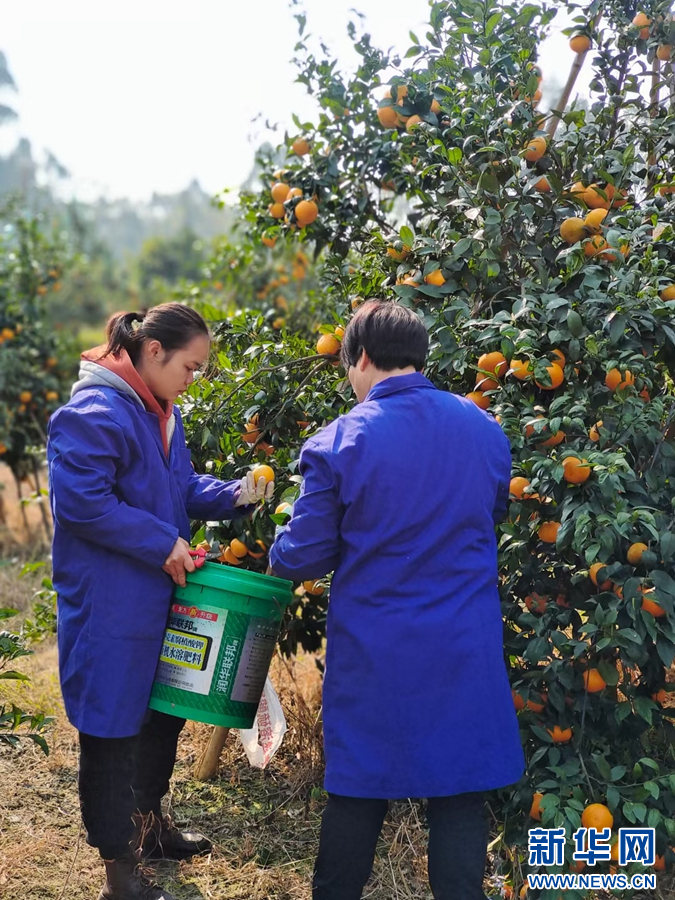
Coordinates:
[263,740]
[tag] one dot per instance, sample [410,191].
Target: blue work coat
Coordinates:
[400,499]
[119,504]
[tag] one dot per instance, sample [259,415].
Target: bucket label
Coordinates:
[190,648]
[256,656]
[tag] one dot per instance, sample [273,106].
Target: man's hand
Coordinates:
[250,492]
[179,562]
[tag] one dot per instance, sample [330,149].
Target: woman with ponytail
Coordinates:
[123,491]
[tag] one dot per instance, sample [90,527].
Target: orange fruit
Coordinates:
[306,212]
[535,149]
[479,398]
[593,681]
[521,368]
[398,255]
[597,246]
[339,332]
[412,122]
[294,192]
[595,200]
[263,471]
[3,448]
[282,508]
[483,383]
[573,230]
[328,343]
[559,357]
[300,147]
[617,379]
[268,241]
[279,191]
[578,190]
[560,735]
[643,22]
[435,278]
[228,556]
[252,432]
[25,396]
[494,362]
[651,607]
[535,706]
[575,470]
[598,816]
[665,52]
[535,811]
[239,548]
[51,396]
[536,603]
[593,575]
[556,375]
[580,43]
[594,220]
[660,696]
[518,486]
[594,433]
[659,863]
[548,532]
[387,116]
[668,293]
[518,701]
[277,210]
[542,185]
[313,587]
[635,551]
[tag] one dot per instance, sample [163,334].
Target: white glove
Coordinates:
[250,492]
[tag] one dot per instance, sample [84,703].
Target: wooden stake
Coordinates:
[41,499]
[208,765]
[559,111]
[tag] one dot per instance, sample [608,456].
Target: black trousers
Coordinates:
[118,776]
[458,838]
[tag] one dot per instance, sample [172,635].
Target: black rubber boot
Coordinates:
[158,838]
[126,881]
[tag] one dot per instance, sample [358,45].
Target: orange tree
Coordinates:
[538,249]
[34,364]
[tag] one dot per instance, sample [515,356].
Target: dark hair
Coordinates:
[392,335]
[172,324]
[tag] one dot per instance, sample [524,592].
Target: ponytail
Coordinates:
[122,335]
[172,324]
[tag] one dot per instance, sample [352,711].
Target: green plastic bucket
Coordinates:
[218,645]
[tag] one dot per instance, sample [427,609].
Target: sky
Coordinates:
[138,96]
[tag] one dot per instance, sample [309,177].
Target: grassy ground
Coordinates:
[264,824]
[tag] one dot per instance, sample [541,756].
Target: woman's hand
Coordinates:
[179,561]
[250,492]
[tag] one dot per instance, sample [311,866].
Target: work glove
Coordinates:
[250,492]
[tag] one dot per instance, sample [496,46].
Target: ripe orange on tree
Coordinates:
[25,397]
[572,230]
[598,816]
[300,146]
[228,556]
[660,696]
[635,551]
[479,398]
[306,212]
[616,379]
[283,508]
[536,603]
[387,116]
[277,210]
[668,293]
[580,43]
[593,681]
[642,22]
[664,52]
[535,809]
[556,376]
[537,706]
[594,432]
[520,368]
[328,343]
[575,470]
[435,278]
[650,606]
[593,575]
[399,253]
[494,362]
[535,149]
[542,185]
[594,220]
[279,191]
[560,735]
[518,701]
[518,486]
[597,197]
[548,531]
